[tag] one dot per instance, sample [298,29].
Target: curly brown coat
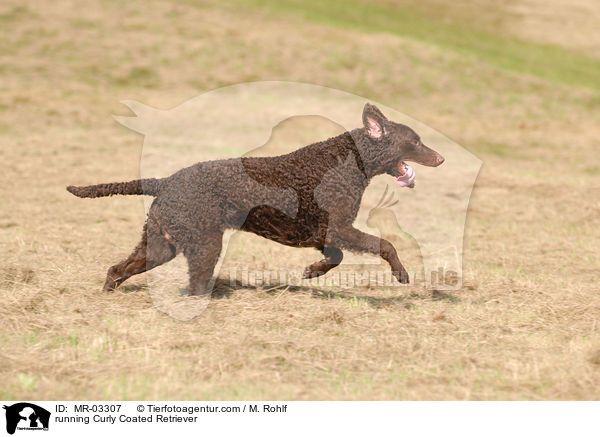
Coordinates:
[307,198]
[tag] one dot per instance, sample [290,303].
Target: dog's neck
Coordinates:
[365,149]
[359,159]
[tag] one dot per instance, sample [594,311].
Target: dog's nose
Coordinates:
[439,160]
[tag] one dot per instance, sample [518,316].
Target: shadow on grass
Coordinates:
[225,289]
[126,289]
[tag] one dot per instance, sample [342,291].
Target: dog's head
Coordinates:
[391,144]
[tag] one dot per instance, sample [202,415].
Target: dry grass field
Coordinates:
[516,84]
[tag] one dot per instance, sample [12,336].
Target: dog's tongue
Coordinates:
[408,178]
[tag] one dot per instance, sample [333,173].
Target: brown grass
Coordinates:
[525,326]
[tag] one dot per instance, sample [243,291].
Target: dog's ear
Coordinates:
[373,120]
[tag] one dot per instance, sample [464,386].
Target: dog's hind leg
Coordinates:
[154,250]
[202,258]
[333,258]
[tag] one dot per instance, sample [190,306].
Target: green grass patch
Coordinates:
[592,170]
[498,149]
[138,76]
[16,14]
[544,61]
[27,382]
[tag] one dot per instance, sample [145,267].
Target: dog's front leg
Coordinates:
[348,237]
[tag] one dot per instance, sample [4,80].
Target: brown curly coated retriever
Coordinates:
[307,198]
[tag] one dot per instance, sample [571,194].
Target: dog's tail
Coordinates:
[148,187]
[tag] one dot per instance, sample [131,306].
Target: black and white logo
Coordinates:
[26,417]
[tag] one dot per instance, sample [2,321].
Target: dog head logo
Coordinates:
[26,416]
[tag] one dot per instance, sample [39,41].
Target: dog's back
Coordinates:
[271,196]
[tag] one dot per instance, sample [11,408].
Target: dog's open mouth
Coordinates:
[407,175]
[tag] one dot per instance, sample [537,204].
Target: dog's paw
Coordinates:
[109,285]
[402,276]
[309,273]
